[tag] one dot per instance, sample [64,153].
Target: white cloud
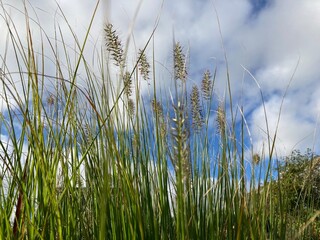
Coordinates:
[272,44]
[268,43]
[295,130]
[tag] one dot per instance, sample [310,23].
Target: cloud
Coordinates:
[295,130]
[269,38]
[282,36]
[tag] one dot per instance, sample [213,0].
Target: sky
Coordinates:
[272,49]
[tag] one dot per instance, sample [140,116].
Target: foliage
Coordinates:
[298,190]
[300,179]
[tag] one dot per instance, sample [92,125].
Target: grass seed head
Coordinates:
[221,119]
[144,66]
[131,107]
[196,109]
[256,158]
[127,81]
[206,85]
[180,71]
[114,45]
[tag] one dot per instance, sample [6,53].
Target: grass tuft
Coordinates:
[84,155]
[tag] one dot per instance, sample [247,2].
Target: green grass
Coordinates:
[88,159]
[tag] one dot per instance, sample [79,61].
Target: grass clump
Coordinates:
[94,159]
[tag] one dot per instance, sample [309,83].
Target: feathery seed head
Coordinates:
[127,81]
[206,85]
[256,158]
[180,135]
[114,45]
[131,107]
[221,119]
[180,71]
[196,109]
[144,66]
[158,110]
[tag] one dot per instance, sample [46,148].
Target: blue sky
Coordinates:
[276,41]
